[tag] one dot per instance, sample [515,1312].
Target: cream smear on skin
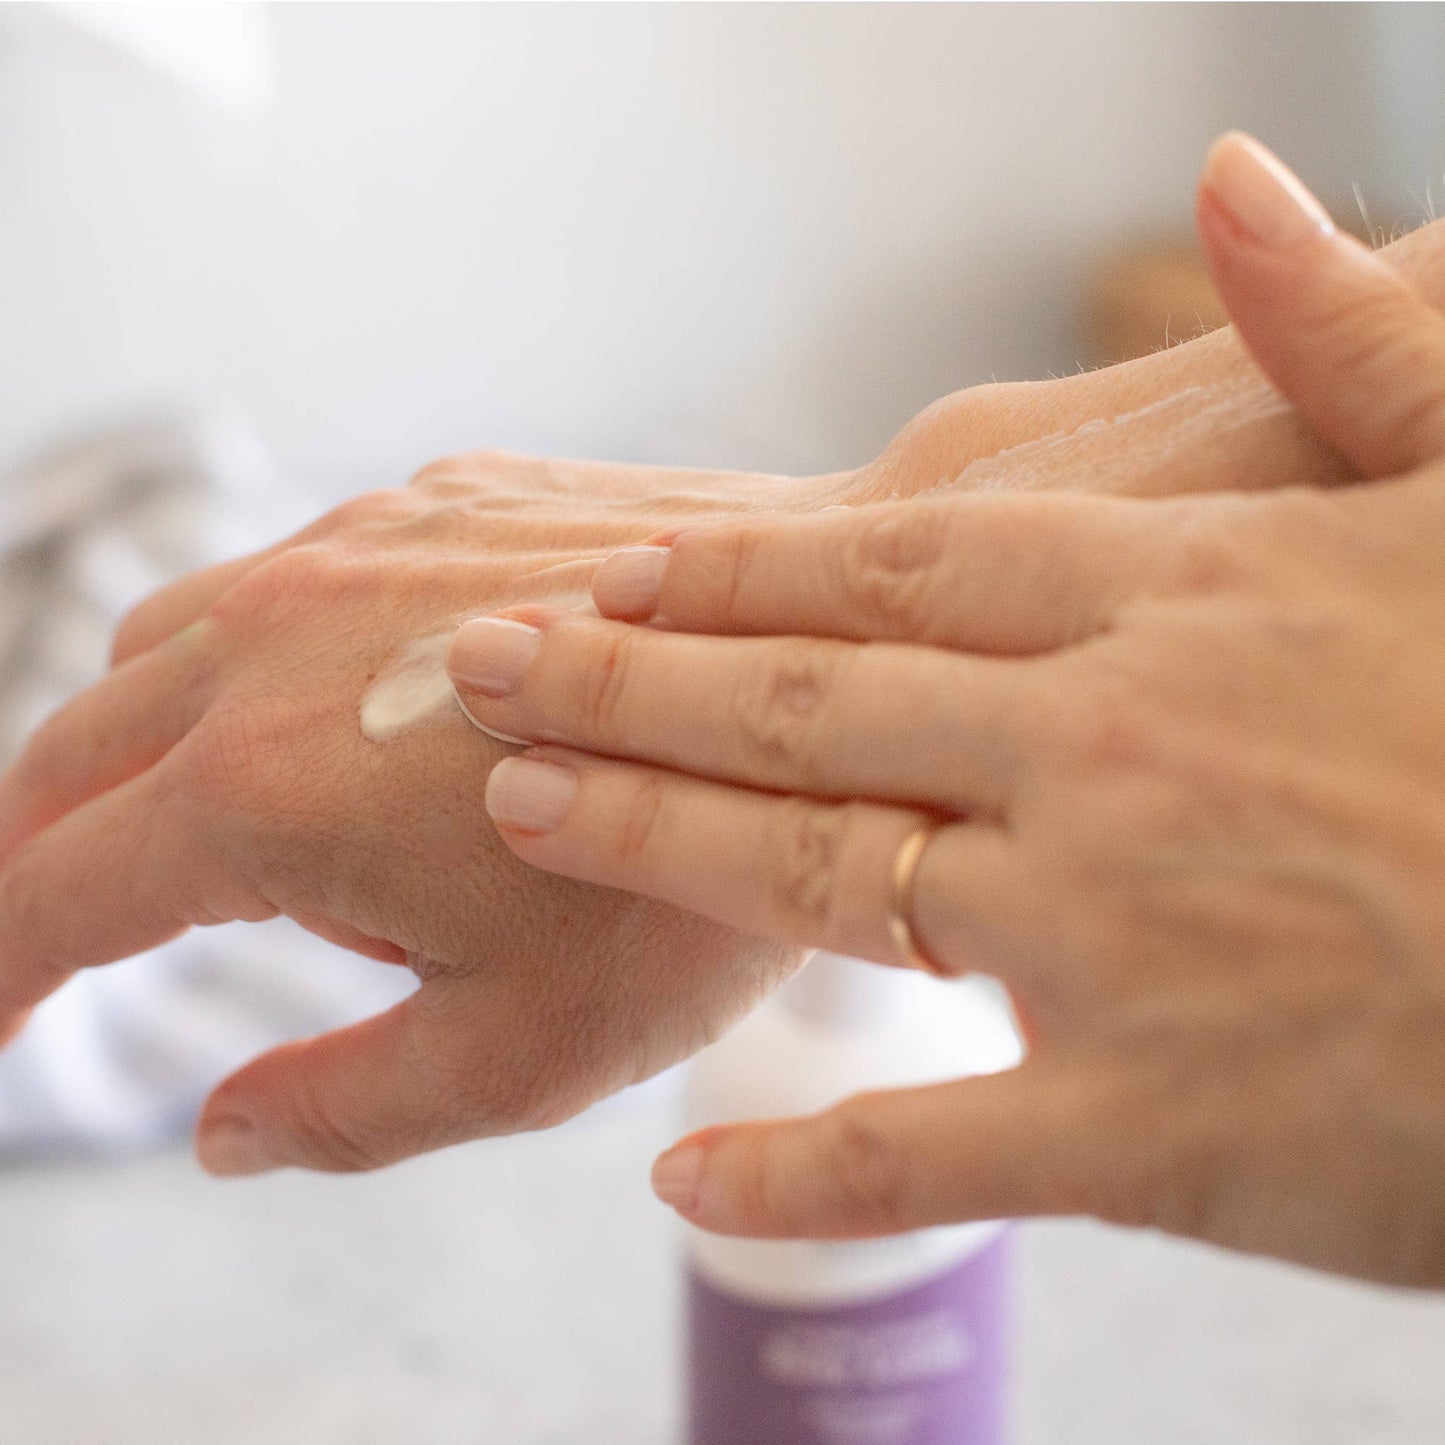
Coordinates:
[414,686]
[1162,438]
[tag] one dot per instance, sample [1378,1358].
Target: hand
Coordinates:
[1186,759]
[220,772]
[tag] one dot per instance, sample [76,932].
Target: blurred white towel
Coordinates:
[122,1056]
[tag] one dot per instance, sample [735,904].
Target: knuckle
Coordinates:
[951,432]
[485,464]
[1111,729]
[239,758]
[1215,548]
[985,407]
[724,561]
[782,708]
[363,514]
[866,1166]
[890,568]
[605,685]
[642,823]
[443,470]
[379,507]
[308,572]
[1275,544]
[805,873]
[338,1142]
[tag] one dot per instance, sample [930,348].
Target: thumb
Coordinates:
[353,1099]
[1034,1140]
[1359,353]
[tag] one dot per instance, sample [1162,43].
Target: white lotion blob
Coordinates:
[414,686]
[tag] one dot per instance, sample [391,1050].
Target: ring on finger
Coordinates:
[900,918]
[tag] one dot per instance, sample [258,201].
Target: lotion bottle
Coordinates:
[893,1341]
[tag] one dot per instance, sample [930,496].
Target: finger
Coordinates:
[357,1098]
[110,733]
[1339,331]
[904,724]
[118,875]
[165,613]
[794,869]
[1003,574]
[1036,1140]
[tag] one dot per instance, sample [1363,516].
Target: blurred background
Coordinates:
[255,258]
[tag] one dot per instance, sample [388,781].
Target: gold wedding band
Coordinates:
[900,920]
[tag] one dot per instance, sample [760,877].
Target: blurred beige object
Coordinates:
[1149,297]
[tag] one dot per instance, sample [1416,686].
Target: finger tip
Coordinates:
[1224,143]
[530,795]
[230,1146]
[1265,204]
[677,1176]
[524,618]
[468,703]
[684,1177]
[1215,220]
[627,586]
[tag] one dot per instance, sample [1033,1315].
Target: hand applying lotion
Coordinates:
[1175,767]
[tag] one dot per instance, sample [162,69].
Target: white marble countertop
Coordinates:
[521,1293]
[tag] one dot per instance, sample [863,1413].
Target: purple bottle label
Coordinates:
[924,1366]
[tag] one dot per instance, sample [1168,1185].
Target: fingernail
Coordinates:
[530,795]
[491,655]
[677,1177]
[1263,198]
[233,1147]
[628,584]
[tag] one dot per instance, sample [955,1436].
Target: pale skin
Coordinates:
[1186,761]
[218,771]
